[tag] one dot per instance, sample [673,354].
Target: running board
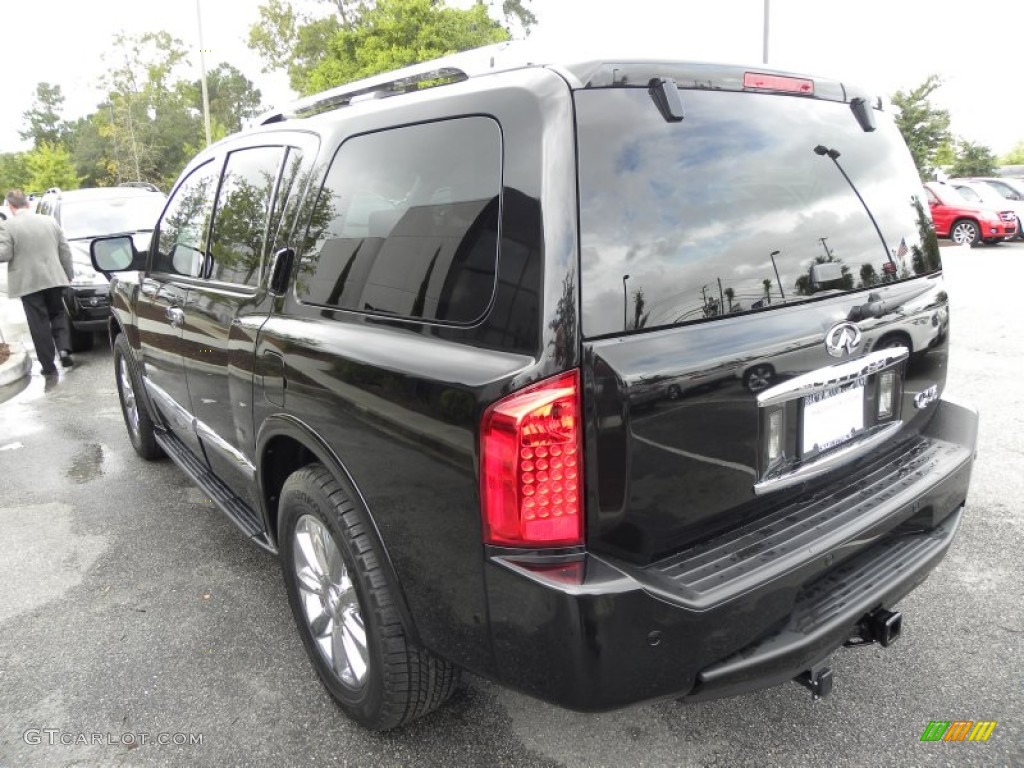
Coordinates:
[237,511]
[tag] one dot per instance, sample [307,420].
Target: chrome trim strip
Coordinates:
[169,406]
[232,454]
[832,376]
[830,461]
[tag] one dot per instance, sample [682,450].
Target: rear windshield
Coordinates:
[752,201]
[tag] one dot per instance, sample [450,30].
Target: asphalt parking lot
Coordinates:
[136,621]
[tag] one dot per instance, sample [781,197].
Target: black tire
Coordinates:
[965,232]
[386,680]
[81,341]
[1020,230]
[759,377]
[137,420]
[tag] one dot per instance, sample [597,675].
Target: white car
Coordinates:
[1000,194]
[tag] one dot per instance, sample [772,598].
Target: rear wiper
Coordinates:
[665,93]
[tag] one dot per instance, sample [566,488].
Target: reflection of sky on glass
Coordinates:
[681,206]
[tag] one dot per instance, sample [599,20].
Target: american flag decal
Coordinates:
[902,250]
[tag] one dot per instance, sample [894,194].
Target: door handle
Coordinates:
[176,316]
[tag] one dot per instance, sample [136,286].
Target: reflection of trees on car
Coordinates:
[320,210]
[237,242]
[563,324]
[868,276]
[639,304]
[925,256]
[184,225]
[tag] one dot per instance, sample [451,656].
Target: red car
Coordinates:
[966,223]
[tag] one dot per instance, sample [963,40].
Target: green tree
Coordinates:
[294,40]
[155,118]
[1015,156]
[233,97]
[326,43]
[973,160]
[50,165]
[13,174]
[945,155]
[397,33]
[92,150]
[924,127]
[44,123]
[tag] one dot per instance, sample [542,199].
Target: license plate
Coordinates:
[832,417]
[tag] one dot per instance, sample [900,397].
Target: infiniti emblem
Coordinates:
[842,339]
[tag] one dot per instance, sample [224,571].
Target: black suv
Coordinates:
[471,347]
[85,214]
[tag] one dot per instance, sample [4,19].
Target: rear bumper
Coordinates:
[750,609]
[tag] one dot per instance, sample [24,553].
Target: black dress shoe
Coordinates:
[65,359]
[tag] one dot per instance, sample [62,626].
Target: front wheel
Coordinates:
[346,607]
[141,430]
[965,232]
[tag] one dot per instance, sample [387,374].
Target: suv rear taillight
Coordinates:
[530,450]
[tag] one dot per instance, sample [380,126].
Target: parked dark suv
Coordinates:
[397,333]
[85,214]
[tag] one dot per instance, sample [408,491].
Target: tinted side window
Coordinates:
[407,223]
[240,222]
[282,215]
[181,241]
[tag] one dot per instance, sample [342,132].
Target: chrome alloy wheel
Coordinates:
[128,401]
[964,233]
[329,602]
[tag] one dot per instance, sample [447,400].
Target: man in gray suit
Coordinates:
[39,270]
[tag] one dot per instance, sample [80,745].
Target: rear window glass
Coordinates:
[750,202]
[407,223]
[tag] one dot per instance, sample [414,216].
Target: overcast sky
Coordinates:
[884,44]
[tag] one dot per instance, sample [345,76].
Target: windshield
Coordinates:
[751,201]
[109,216]
[992,192]
[969,193]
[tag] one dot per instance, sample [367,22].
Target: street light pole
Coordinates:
[778,279]
[764,49]
[834,155]
[202,71]
[625,302]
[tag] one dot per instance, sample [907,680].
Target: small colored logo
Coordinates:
[958,730]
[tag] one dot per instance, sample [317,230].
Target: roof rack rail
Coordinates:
[427,74]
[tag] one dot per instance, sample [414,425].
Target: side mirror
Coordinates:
[114,254]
